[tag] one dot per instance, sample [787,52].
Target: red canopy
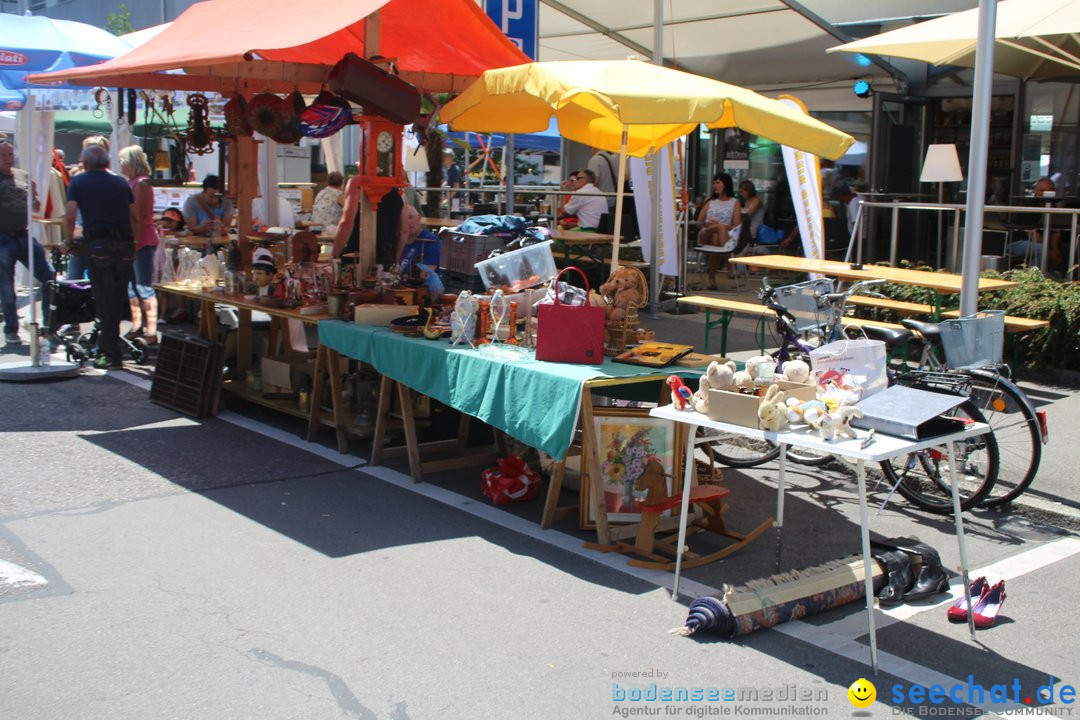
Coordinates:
[281,45]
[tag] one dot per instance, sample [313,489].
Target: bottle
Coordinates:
[44,354]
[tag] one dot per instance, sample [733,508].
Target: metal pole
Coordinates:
[509,155]
[980,130]
[654,260]
[894,250]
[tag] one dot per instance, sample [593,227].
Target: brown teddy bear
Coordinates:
[624,288]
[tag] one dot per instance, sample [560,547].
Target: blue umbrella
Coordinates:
[32,44]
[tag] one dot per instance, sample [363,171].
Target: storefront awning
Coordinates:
[282,45]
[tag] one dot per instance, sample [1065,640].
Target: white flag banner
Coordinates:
[642,174]
[804,180]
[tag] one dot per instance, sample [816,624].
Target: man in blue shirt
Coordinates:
[453,176]
[416,245]
[107,206]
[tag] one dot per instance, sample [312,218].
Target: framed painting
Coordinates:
[636,454]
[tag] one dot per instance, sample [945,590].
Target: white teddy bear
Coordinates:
[716,376]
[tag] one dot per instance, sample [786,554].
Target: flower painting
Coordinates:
[625,446]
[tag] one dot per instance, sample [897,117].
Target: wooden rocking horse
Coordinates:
[707,498]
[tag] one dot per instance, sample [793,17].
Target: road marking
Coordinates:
[16,576]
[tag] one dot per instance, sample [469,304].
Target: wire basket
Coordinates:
[974,341]
[802,301]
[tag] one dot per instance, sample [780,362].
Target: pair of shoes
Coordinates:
[12,338]
[987,601]
[133,333]
[150,340]
[899,577]
[932,578]
[106,363]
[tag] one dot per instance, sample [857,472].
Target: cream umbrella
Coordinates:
[630,107]
[1032,39]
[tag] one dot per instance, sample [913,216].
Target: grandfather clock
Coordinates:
[380,153]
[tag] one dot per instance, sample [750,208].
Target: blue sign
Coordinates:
[519,21]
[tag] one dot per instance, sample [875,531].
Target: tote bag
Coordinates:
[570,333]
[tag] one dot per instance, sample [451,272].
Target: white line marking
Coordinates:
[12,575]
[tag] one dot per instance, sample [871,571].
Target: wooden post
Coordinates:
[367,233]
[247,183]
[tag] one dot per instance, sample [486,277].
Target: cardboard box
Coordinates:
[731,406]
[382,314]
[287,372]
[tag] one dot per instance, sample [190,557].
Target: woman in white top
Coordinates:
[719,215]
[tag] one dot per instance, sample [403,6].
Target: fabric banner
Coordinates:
[642,174]
[804,179]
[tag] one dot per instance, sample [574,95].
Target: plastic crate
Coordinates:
[801,300]
[974,341]
[454,282]
[461,251]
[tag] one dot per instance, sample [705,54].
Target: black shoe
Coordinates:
[898,576]
[932,577]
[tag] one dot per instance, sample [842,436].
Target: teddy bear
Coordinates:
[796,371]
[772,410]
[625,288]
[842,419]
[716,376]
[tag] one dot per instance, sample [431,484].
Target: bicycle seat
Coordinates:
[890,336]
[927,329]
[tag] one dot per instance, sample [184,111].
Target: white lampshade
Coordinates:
[941,164]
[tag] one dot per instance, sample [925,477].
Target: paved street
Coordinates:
[155,566]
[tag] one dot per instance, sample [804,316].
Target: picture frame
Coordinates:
[625,439]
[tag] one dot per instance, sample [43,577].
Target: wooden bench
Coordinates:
[898,306]
[1013,323]
[728,309]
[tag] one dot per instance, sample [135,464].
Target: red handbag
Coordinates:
[570,333]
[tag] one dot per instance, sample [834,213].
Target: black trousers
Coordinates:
[109,261]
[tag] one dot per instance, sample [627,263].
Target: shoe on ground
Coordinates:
[134,333]
[107,363]
[12,338]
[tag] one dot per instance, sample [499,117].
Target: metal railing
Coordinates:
[858,234]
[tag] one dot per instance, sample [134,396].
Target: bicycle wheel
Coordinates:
[923,477]
[740,451]
[1017,432]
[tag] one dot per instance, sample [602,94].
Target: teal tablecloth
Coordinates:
[535,402]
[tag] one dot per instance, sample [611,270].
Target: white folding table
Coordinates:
[882,448]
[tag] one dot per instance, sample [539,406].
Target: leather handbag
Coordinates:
[570,333]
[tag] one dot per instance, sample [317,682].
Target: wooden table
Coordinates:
[583,245]
[237,386]
[439,222]
[941,283]
[437,370]
[198,241]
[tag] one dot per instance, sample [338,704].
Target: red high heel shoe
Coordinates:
[989,605]
[959,611]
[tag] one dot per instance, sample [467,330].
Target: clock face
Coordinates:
[384,142]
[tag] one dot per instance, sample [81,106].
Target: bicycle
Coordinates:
[1018,428]
[812,301]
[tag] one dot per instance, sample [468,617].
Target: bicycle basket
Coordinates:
[801,300]
[974,341]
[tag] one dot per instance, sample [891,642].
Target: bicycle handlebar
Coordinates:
[840,296]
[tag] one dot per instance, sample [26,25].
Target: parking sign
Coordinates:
[518,19]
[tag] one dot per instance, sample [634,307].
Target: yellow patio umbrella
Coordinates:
[630,107]
[1032,39]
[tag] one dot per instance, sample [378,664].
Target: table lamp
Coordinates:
[941,165]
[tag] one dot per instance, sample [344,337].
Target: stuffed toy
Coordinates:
[680,394]
[796,371]
[624,288]
[842,419]
[772,411]
[716,376]
[836,396]
[823,422]
[742,378]
[797,409]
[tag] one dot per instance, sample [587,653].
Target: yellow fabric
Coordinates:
[595,100]
[1034,40]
